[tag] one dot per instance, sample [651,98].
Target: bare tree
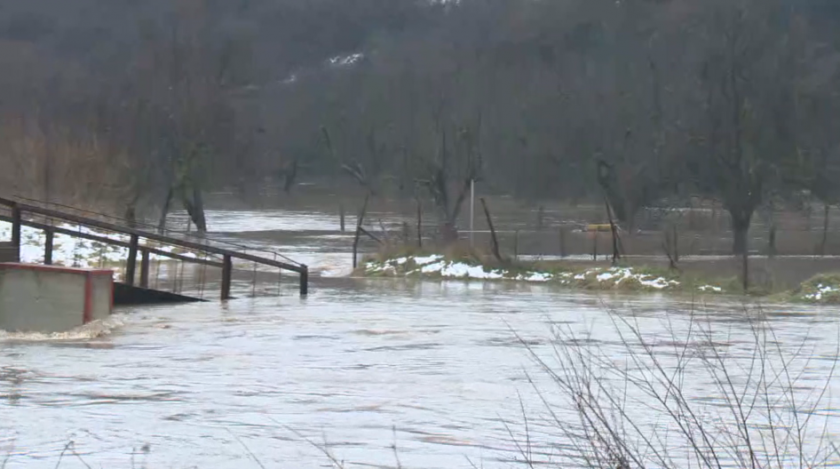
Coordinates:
[747,78]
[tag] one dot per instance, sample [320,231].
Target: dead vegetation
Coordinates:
[765,411]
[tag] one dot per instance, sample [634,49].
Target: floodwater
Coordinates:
[377,372]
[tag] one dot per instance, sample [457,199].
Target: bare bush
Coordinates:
[768,410]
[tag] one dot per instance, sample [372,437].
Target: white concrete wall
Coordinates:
[36,298]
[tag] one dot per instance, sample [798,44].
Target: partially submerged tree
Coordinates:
[747,53]
[445,174]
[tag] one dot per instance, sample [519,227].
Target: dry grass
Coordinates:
[57,165]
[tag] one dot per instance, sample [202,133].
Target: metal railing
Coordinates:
[42,216]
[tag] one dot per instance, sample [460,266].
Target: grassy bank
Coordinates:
[473,265]
[464,264]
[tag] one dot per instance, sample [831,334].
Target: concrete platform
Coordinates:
[38,298]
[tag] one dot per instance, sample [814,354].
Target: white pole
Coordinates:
[472,210]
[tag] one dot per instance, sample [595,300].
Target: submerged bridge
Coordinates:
[141,241]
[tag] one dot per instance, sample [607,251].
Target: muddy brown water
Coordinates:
[360,366]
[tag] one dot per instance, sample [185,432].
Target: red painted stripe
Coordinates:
[88,313]
[53,268]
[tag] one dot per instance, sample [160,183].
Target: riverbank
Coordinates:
[629,276]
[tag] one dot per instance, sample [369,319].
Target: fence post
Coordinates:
[562,242]
[144,268]
[227,272]
[516,245]
[341,215]
[359,222]
[48,246]
[304,281]
[419,225]
[676,235]
[496,253]
[131,265]
[16,222]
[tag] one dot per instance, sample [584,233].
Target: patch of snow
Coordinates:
[617,273]
[427,259]
[710,288]
[605,276]
[658,283]
[536,277]
[71,251]
[461,270]
[433,268]
[822,290]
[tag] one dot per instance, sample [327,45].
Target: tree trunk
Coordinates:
[613,231]
[290,174]
[199,217]
[448,233]
[740,233]
[359,221]
[131,216]
[194,204]
[165,210]
[827,212]
[496,253]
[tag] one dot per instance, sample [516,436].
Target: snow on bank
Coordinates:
[617,276]
[822,289]
[71,251]
[437,266]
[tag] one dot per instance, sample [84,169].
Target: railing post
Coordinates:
[48,246]
[227,272]
[16,222]
[304,281]
[131,266]
[144,268]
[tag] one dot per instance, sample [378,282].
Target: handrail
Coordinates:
[115,242]
[17,208]
[149,235]
[150,228]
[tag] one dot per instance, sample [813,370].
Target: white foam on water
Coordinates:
[90,331]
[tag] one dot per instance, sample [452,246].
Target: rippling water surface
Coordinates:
[360,367]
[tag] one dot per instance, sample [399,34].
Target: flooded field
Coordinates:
[379,373]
